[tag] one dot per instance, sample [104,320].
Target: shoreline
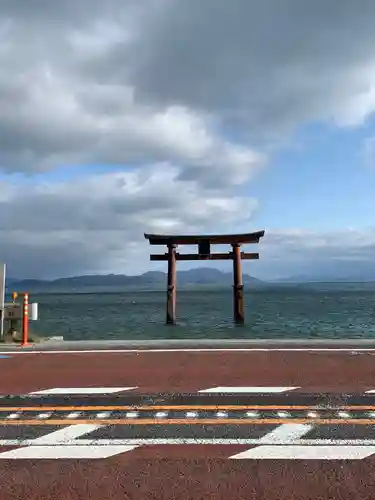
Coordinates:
[193,344]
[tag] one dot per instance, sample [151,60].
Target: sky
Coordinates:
[182,116]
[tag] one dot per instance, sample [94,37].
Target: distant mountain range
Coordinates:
[328,278]
[156,280]
[149,280]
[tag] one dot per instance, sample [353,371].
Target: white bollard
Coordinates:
[34,311]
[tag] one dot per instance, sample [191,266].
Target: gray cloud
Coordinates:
[153,85]
[51,114]
[94,82]
[346,253]
[262,65]
[97,223]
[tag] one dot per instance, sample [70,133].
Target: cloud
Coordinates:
[264,65]
[346,253]
[96,224]
[51,114]
[139,82]
[181,97]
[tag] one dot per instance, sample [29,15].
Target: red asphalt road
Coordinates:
[190,371]
[185,473]
[188,472]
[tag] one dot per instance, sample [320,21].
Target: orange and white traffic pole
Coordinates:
[25,322]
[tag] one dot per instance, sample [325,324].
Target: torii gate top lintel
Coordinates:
[216,239]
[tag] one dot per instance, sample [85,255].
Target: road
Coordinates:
[188,424]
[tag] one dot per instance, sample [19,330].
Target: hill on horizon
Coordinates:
[150,279]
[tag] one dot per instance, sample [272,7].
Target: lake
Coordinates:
[280,312]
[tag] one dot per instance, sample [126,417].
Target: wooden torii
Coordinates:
[204,243]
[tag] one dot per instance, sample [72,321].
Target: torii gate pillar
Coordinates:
[171,291]
[238,302]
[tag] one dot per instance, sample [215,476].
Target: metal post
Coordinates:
[171,293]
[25,322]
[238,302]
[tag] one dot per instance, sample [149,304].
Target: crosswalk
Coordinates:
[284,442]
[84,433]
[114,390]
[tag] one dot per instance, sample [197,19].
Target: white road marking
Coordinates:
[286,433]
[283,414]
[74,414]
[221,414]
[161,414]
[63,444]
[67,452]
[283,433]
[44,415]
[252,414]
[343,414]
[66,434]
[131,414]
[284,447]
[83,390]
[252,390]
[292,452]
[312,414]
[228,349]
[103,414]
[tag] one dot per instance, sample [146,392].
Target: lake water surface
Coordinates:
[285,312]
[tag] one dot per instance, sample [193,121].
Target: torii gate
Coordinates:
[204,243]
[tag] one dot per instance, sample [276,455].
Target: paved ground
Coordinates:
[189,370]
[268,424]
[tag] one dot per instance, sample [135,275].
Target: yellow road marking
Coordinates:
[186,421]
[183,407]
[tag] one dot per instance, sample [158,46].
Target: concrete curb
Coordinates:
[55,345]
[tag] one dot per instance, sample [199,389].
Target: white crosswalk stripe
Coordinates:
[248,390]
[280,444]
[83,390]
